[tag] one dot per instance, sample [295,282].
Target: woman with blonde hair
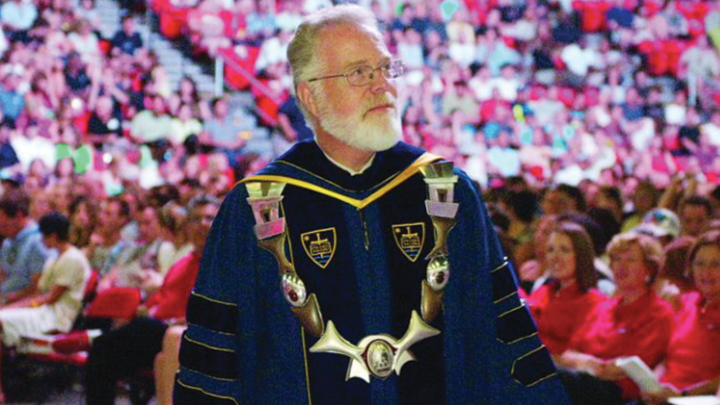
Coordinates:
[176,244]
[635,322]
[173,218]
[83,220]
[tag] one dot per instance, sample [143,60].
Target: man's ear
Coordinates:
[306,97]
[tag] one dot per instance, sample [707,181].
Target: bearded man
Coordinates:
[356,269]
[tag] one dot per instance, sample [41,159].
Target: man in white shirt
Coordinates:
[579,59]
[151,125]
[18,16]
[58,299]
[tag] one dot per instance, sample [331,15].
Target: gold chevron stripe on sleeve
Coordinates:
[208,393]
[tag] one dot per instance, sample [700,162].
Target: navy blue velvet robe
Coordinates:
[244,346]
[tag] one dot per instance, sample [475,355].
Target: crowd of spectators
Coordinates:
[144,257]
[93,116]
[606,279]
[97,147]
[556,91]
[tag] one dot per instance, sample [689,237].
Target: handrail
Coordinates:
[254,82]
[251,78]
[270,120]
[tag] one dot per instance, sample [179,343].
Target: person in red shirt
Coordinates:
[120,352]
[692,365]
[636,322]
[592,14]
[561,306]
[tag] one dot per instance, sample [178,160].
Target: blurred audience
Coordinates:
[692,364]
[120,352]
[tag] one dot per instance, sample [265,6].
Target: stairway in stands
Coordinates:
[178,64]
[175,63]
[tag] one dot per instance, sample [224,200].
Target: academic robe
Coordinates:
[244,346]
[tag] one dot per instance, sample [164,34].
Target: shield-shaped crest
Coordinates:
[320,245]
[410,239]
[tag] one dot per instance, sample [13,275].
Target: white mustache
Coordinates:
[380,102]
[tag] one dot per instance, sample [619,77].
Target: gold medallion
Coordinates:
[379,358]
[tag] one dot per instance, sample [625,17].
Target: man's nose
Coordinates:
[379,83]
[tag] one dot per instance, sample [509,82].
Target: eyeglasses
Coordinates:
[364,75]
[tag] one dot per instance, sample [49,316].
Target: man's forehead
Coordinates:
[367,61]
[209,208]
[344,42]
[694,209]
[206,212]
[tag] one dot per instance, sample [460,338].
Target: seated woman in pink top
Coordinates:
[561,306]
[692,365]
[636,322]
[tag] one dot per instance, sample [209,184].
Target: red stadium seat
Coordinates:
[72,348]
[115,303]
[64,348]
[173,22]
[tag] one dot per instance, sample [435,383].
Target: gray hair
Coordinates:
[302,49]
[199,202]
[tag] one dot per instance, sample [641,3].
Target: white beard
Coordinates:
[375,132]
